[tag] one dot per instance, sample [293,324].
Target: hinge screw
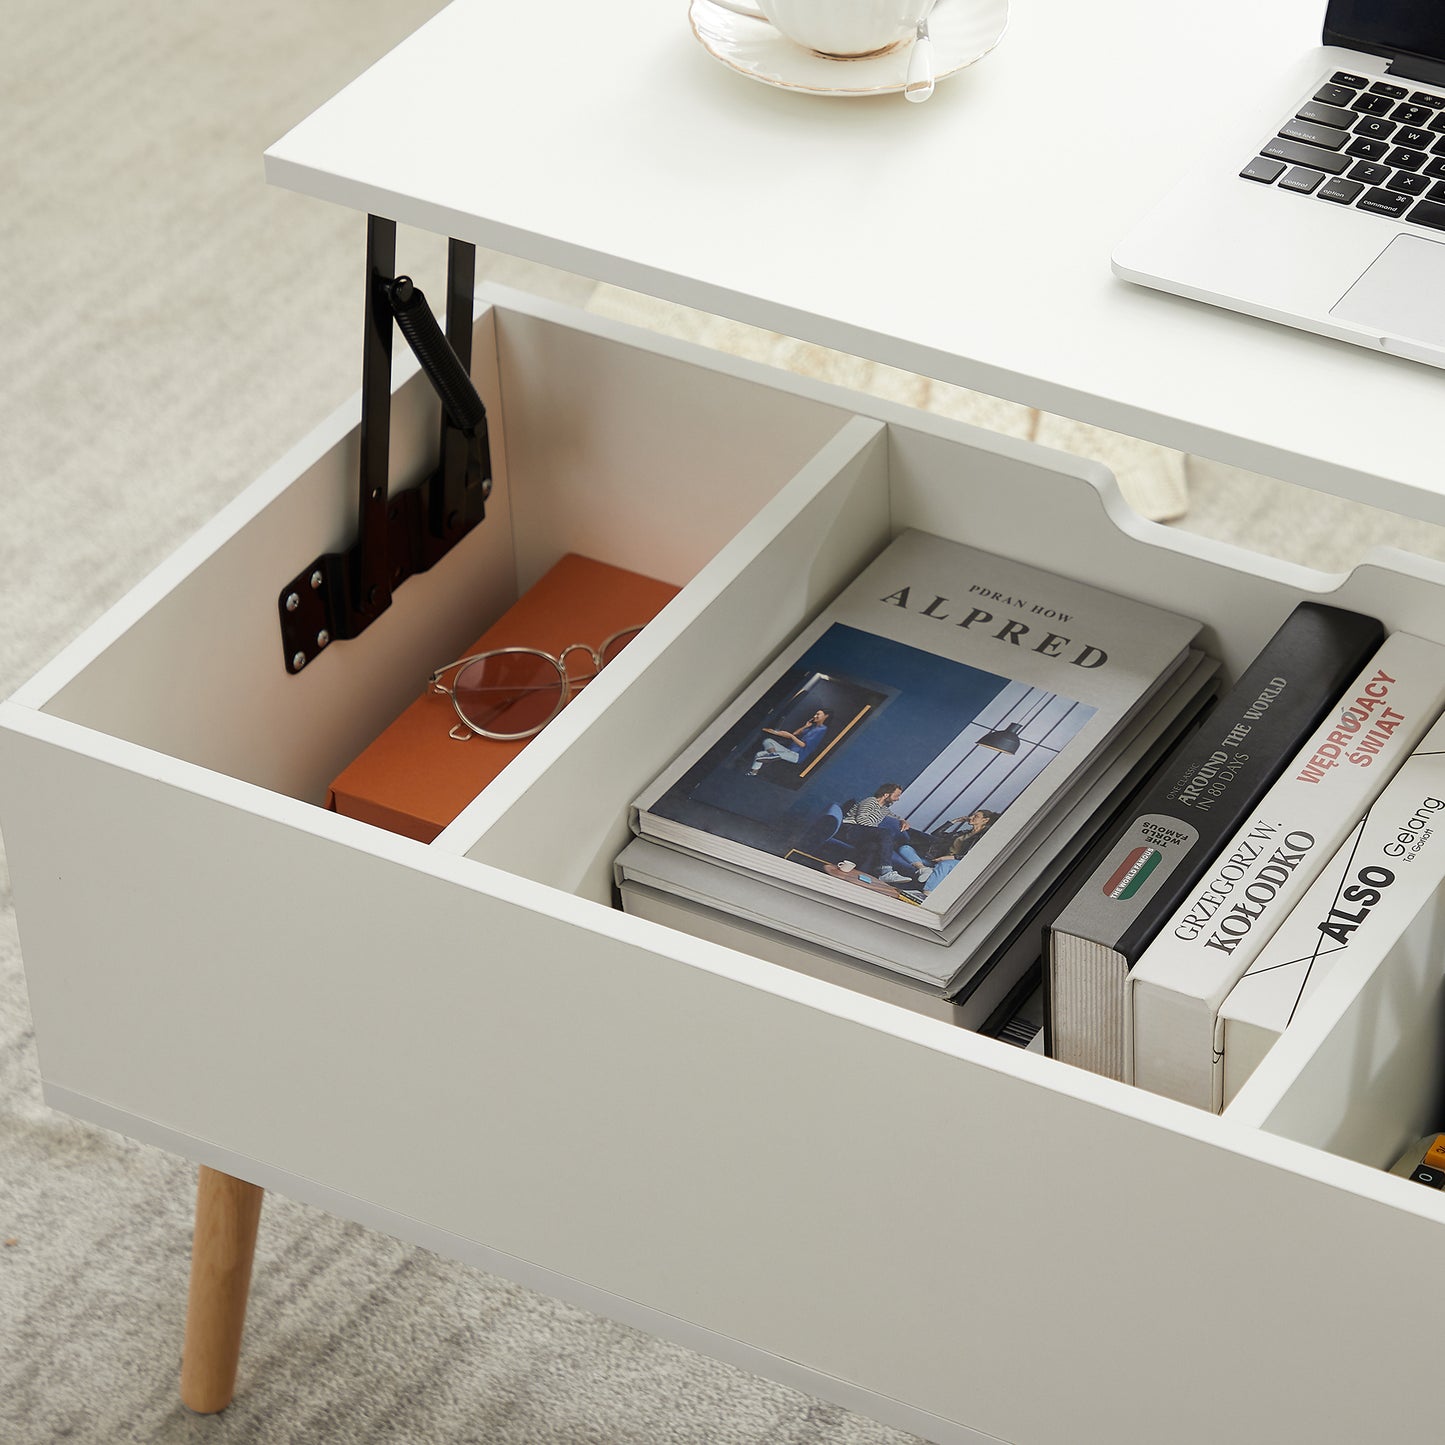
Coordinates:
[298,661]
[322,638]
[315,580]
[292,602]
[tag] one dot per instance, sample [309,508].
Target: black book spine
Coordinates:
[1213,780]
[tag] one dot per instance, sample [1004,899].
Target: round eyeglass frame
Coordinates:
[567,686]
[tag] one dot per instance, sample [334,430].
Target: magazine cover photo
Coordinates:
[875,763]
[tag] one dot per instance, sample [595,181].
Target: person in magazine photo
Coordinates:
[895,850]
[872,760]
[912,886]
[904,873]
[782,746]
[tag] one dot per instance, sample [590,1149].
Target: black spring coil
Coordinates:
[415,321]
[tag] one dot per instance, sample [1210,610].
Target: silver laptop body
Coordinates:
[1336,227]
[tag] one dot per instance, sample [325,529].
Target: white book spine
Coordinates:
[1173,994]
[1377,881]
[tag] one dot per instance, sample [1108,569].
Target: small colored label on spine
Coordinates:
[1129,878]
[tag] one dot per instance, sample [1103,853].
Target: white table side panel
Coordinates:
[897,1413]
[859,1200]
[649,457]
[1360,1070]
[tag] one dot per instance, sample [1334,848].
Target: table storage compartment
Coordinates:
[1361,1070]
[466,1044]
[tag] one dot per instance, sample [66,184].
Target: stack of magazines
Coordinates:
[892,802]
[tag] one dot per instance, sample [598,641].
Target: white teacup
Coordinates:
[838,27]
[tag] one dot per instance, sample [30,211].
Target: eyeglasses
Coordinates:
[512,693]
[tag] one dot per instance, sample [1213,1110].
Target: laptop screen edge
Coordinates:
[1387,27]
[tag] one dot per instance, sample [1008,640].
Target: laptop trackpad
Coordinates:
[1402,294]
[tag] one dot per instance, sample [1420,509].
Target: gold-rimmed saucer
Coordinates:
[962,32]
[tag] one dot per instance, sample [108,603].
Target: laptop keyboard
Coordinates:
[1365,143]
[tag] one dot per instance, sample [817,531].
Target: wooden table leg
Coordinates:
[228,1212]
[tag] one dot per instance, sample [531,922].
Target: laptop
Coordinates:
[1324,207]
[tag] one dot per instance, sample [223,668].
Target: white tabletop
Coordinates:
[967,238]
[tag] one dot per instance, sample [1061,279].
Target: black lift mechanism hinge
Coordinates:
[340,594]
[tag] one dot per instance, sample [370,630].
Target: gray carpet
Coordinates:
[170,325]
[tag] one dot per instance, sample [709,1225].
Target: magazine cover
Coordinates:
[933,958]
[899,749]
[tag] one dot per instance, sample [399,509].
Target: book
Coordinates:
[1023,1026]
[931,960]
[1210,786]
[1173,993]
[1187,687]
[991,998]
[413,778]
[686,915]
[963,693]
[1373,886]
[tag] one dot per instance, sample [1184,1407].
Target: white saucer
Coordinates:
[962,31]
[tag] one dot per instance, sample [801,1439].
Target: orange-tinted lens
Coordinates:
[510,694]
[614,645]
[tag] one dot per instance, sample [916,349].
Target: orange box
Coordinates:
[415,778]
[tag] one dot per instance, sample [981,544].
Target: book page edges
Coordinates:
[1172,1041]
[1086,983]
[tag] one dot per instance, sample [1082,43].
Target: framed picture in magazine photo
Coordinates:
[867,739]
